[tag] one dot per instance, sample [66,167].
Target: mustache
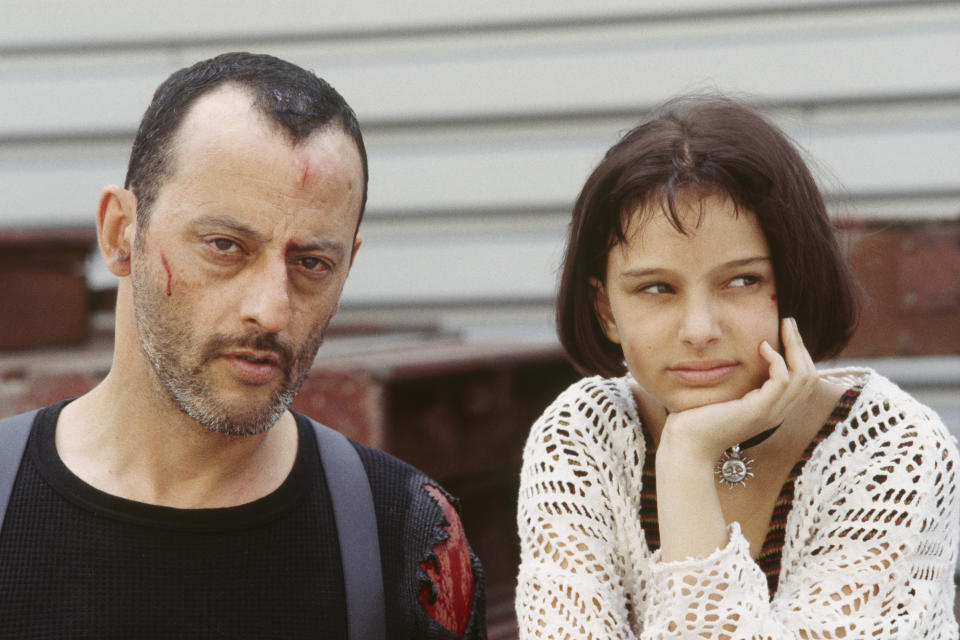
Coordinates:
[255,341]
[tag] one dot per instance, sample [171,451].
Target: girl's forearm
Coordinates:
[688,508]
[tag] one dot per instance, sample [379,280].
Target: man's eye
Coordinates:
[312,264]
[224,244]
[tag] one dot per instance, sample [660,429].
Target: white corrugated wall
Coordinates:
[482,119]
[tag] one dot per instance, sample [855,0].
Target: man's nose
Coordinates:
[266,297]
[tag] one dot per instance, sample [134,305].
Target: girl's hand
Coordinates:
[706,431]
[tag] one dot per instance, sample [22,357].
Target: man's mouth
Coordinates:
[256,356]
[254,367]
[257,360]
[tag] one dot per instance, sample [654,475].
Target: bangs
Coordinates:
[673,199]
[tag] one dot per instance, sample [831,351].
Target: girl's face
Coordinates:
[690,311]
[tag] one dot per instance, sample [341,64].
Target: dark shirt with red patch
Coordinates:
[79,563]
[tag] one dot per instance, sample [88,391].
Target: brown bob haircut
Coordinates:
[711,145]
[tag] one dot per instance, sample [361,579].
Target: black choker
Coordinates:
[733,468]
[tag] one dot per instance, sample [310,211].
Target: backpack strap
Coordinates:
[14,432]
[357,530]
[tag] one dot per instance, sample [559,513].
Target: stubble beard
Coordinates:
[178,359]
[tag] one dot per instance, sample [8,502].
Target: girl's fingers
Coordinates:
[791,375]
[796,354]
[778,367]
[793,350]
[764,400]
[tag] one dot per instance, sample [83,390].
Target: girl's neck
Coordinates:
[653,415]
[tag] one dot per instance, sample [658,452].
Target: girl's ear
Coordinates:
[601,306]
[116,224]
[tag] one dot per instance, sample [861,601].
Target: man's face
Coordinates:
[243,260]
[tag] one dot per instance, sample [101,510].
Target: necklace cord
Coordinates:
[760,437]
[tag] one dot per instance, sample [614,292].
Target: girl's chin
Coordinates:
[696,398]
[676,398]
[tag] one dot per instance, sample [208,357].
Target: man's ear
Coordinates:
[116,226]
[357,241]
[601,306]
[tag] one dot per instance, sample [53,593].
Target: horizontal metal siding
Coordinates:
[483,121]
[103,23]
[811,59]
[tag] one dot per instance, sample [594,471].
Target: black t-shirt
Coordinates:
[76,562]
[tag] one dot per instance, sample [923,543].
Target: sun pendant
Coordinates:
[733,468]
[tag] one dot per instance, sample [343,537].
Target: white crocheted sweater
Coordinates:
[870,548]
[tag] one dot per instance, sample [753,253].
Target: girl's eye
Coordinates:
[657,288]
[744,281]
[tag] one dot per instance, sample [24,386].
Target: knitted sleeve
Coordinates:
[872,543]
[580,460]
[875,527]
[870,547]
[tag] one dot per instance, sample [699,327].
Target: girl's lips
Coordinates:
[703,373]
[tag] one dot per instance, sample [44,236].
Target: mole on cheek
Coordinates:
[166,266]
[773,297]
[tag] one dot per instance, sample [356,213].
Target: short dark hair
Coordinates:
[708,144]
[293,98]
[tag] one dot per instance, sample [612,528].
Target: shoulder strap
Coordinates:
[14,432]
[356,523]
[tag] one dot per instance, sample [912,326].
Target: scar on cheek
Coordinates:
[166,266]
[773,297]
[305,172]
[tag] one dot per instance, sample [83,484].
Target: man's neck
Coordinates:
[127,438]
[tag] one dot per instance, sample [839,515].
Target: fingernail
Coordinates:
[797,329]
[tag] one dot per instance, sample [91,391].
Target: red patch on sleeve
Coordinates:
[451,574]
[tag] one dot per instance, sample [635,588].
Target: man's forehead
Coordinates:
[223,113]
[229,154]
[228,115]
